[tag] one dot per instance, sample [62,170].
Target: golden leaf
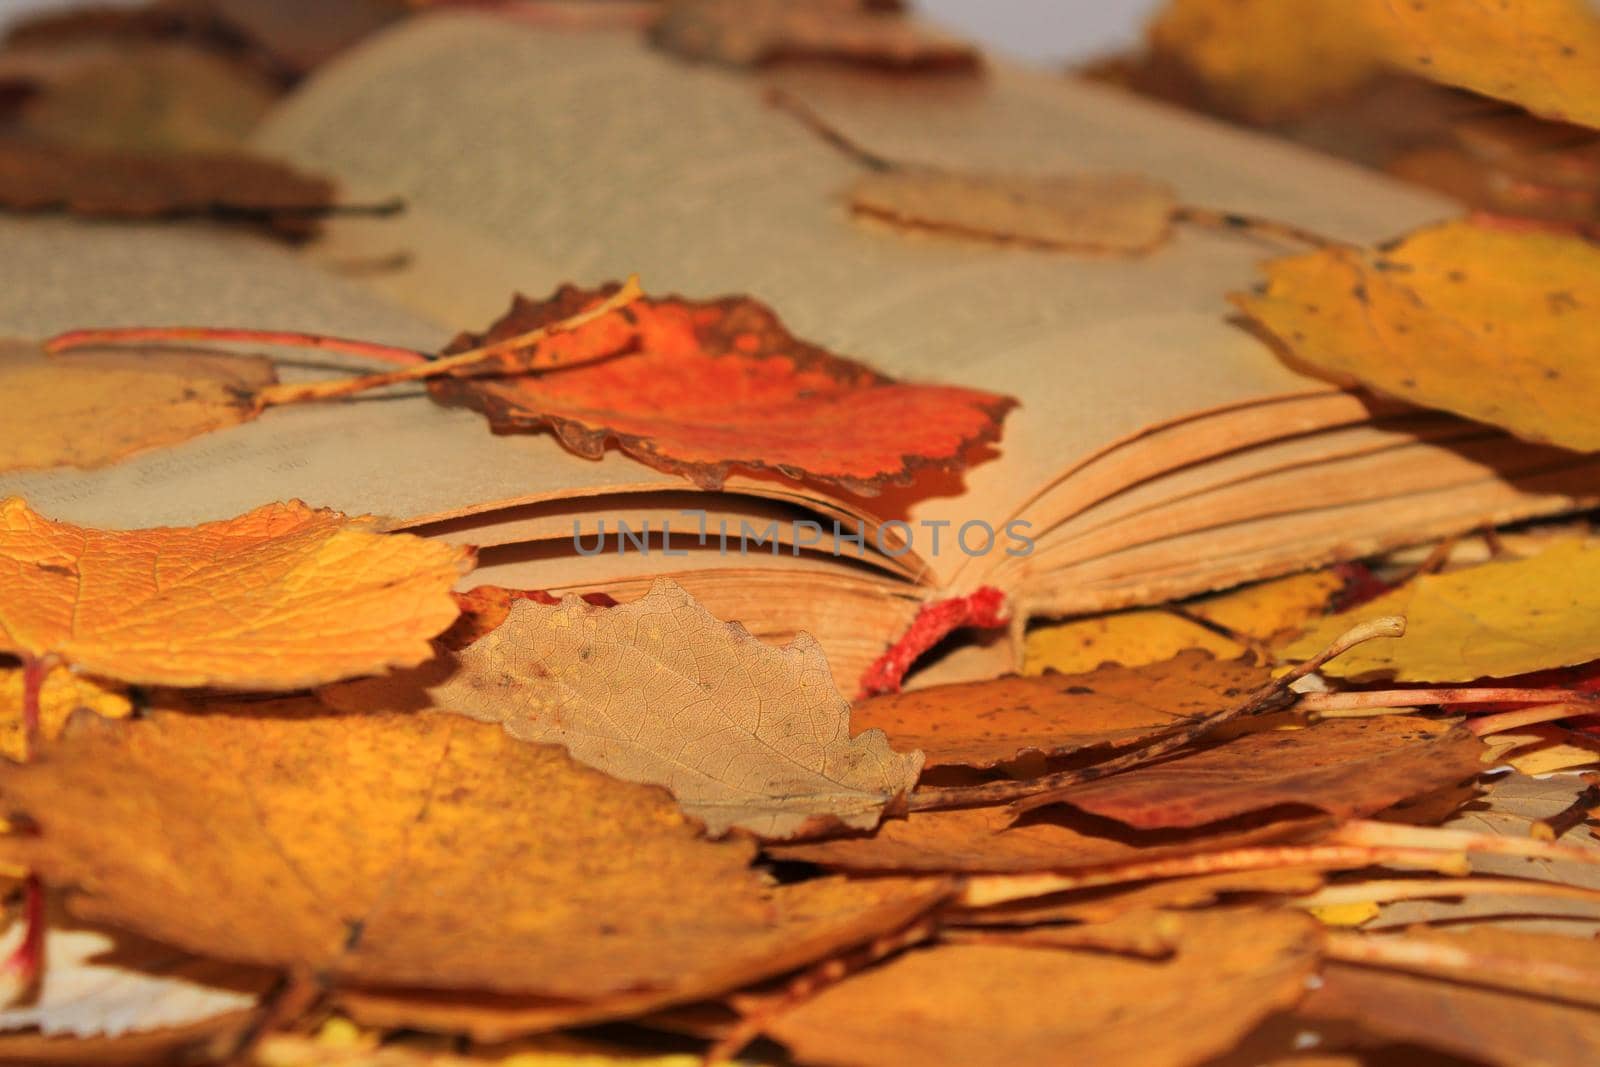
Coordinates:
[1491,621]
[281,597]
[1498,326]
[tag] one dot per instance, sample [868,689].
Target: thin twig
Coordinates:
[1255,226]
[1485,725]
[988,890]
[20,971]
[1418,698]
[1553,827]
[1399,835]
[848,147]
[1031,793]
[1387,890]
[114,335]
[328,390]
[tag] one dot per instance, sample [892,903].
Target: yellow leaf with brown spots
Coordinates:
[1490,621]
[1131,638]
[88,409]
[416,850]
[281,597]
[1494,325]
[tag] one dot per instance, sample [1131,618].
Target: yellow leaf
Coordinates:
[1492,621]
[1354,913]
[1267,609]
[1131,638]
[281,597]
[1543,55]
[1494,325]
[90,409]
[1266,60]
[63,692]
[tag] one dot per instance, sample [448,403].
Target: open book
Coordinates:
[1159,450]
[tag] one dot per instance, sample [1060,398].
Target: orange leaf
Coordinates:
[93,408]
[981,724]
[392,849]
[281,597]
[1346,767]
[721,384]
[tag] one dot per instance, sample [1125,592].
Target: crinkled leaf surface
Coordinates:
[1489,323]
[709,386]
[743,734]
[1003,1005]
[1489,621]
[750,33]
[1346,767]
[981,724]
[89,409]
[414,850]
[1126,213]
[280,597]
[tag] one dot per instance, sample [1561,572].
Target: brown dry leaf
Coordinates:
[1511,806]
[712,385]
[398,850]
[88,409]
[63,692]
[1483,1025]
[1519,961]
[340,1045]
[1487,322]
[992,840]
[35,176]
[281,597]
[1105,904]
[1490,621]
[743,734]
[1131,638]
[981,724]
[1346,767]
[150,99]
[975,1005]
[753,33]
[1125,213]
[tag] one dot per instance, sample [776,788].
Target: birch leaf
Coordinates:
[660,691]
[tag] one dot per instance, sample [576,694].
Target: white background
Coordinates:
[1048,31]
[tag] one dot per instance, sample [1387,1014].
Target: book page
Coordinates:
[397,455]
[537,156]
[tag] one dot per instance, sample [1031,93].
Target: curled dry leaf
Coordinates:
[281,597]
[981,724]
[742,733]
[1346,767]
[1492,324]
[752,33]
[101,983]
[62,693]
[708,386]
[88,409]
[1481,1025]
[1002,1005]
[36,176]
[398,850]
[1489,621]
[1126,213]
[993,840]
